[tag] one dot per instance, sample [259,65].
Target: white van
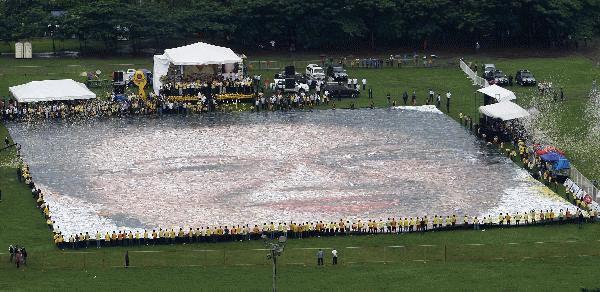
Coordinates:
[313,71]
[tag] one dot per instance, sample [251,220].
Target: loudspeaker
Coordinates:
[290,71]
[236,67]
[118,76]
[290,83]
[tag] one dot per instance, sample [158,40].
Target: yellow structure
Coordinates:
[139,79]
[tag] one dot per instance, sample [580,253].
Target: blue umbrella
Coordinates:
[561,164]
[551,156]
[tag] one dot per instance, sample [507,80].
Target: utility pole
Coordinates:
[275,250]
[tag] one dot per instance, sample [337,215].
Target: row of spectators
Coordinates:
[316,229]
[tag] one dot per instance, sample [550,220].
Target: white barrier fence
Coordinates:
[584,183]
[473,75]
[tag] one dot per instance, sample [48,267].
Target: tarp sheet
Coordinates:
[499,93]
[51,90]
[505,111]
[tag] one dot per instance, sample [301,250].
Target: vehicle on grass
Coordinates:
[497,77]
[314,71]
[128,75]
[338,73]
[289,85]
[487,68]
[341,91]
[524,78]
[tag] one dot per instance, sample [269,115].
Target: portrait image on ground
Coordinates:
[249,168]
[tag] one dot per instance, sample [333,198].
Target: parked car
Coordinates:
[279,84]
[487,68]
[525,77]
[341,91]
[338,73]
[497,77]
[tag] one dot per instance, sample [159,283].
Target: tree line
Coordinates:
[303,24]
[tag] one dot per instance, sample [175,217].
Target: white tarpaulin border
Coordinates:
[497,92]
[51,90]
[505,111]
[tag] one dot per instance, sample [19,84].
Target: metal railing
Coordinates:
[584,183]
[481,82]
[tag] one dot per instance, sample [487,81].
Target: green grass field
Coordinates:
[530,258]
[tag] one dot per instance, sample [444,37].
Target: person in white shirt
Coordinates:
[355,82]
[448,97]
[334,254]
[364,83]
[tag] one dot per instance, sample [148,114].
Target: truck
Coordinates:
[315,72]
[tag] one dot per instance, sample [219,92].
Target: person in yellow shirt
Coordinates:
[113,239]
[209,235]
[137,238]
[180,236]
[154,236]
[190,235]
[107,239]
[98,239]
[360,226]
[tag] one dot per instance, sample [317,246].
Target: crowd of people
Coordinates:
[210,86]
[525,155]
[18,255]
[316,229]
[95,108]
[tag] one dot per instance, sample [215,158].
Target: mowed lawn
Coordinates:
[532,258]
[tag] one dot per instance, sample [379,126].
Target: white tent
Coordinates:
[497,92]
[50,90]
[195,54]
[504,110]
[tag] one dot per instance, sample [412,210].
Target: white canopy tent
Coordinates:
[191,55]
[499,93]
[51,90]
[504,110]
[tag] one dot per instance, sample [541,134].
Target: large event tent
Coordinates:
[197,54]
[497,92]
[51,90]
[504,110]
